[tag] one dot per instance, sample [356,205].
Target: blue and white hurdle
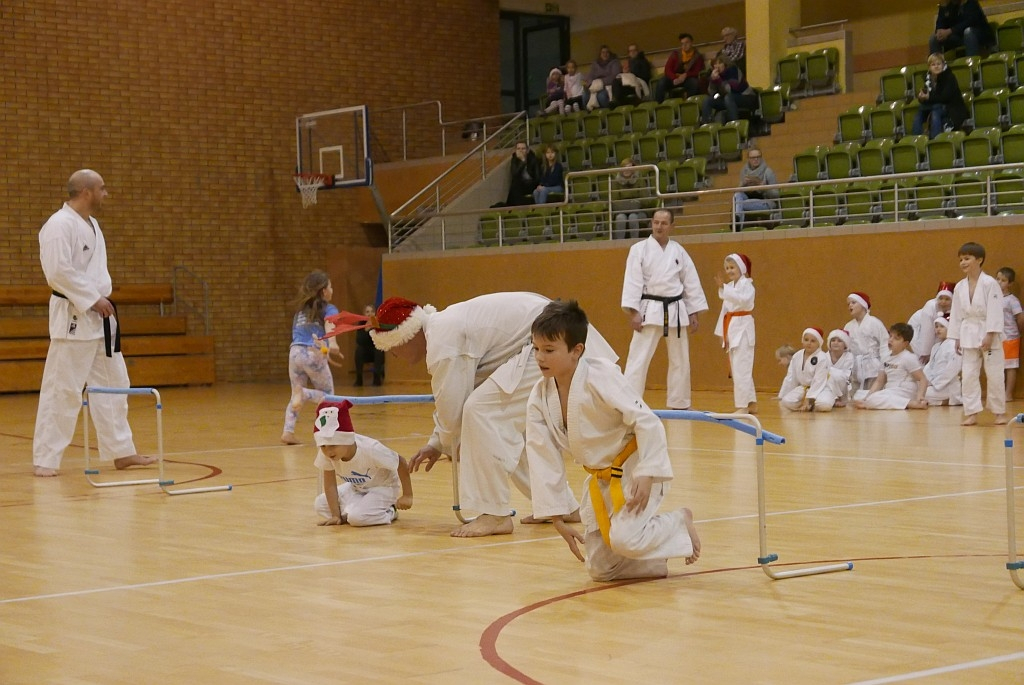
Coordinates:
[1013,565]
[160,480]
[745,423]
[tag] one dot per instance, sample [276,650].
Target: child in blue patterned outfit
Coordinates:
[310,355]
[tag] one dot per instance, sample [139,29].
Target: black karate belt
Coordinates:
[665,302]
[107,337]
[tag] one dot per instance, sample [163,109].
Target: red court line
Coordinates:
[489,638]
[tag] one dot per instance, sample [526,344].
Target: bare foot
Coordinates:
[970,420]
[289,439]
[692,530]
[122,463]
[43,472]
[484,525]
[917,404]
[1000,420]
[574,517]
[752,408]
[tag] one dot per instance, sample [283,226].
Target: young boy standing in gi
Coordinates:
[976,323]
[376,480]
[583,407]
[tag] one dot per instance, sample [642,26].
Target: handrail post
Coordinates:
[405,146]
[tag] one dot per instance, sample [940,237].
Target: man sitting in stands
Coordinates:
[682,70]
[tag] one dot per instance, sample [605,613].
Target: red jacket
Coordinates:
[675,67]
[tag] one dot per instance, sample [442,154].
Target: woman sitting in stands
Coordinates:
[551,175]
[941,100]
[728,90]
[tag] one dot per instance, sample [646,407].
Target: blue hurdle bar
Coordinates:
[1013,565]
[745,423]
[160,480]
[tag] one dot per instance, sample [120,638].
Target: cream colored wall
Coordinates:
[802,279]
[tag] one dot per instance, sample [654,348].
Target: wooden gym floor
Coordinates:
[128,585]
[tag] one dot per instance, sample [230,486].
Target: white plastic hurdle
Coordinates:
[160,479]
[1012,563]
[734,421]
[753,427]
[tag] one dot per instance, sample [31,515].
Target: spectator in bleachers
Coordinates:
[627,188]
[682,70]
[633,84]
[555,93]
[941,100]
[524,175]
[754,173]
[574,90]
[961,23]
[734,48]
[602,75]
[728,90]
[551,176]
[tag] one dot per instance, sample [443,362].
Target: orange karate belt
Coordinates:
[613,476]
[725,325]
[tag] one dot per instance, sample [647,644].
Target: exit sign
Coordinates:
[551,7]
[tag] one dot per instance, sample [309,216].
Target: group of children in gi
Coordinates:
[973,325]
[613,435]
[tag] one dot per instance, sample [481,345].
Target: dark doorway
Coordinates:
[531,44]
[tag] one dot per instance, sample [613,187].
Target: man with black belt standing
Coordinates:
[84,335]
[662,295]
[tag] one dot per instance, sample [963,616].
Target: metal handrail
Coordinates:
[445,125]
[517,120]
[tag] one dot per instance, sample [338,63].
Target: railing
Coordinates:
[464,174]
[178,286]
[598,213]
[471,129]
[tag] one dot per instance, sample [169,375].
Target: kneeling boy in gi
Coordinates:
[375,479]
[617,439]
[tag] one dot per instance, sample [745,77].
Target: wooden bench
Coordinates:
[157,347]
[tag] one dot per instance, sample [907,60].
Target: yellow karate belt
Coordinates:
[613,475]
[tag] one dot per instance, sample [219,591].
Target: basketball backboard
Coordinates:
[335,142]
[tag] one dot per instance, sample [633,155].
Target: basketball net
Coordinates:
[308,185]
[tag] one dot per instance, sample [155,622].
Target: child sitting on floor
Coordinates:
[943,368]
[832,388]
[376,479]
[900,384]
[805,368]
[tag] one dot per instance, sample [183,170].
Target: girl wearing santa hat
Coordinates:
[832,389]
[869,343]
[805,370]
[736,328]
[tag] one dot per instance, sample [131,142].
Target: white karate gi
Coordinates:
[943,374]
[804,371]
[74,260]
[828,387]
[664,272]
[370,485]
[604,413]
[480,360]
[923,323]
[900,387]
[869,344]
[739,297]
[970,320]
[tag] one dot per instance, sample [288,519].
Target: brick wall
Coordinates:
[187,109]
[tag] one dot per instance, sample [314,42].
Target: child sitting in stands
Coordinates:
[832,388]
[574,88]
[556,93]
[376,479]
[900,384]
[943,368]
[805,369]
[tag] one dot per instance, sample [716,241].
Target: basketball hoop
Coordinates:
[308,184]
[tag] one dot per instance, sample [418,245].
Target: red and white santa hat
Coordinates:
[743,262]
[398,321]
[860,298]
[841,334]
[815,333]
[333,426]
[945,288]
